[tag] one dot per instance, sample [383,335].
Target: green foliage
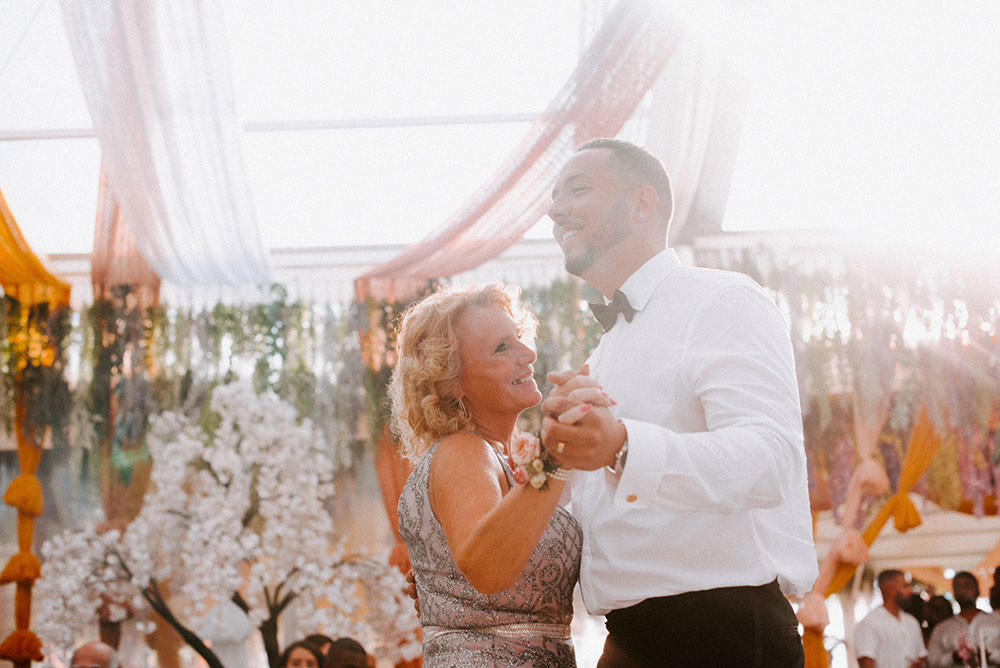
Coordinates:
[566,335]
[919,335]
[34,367]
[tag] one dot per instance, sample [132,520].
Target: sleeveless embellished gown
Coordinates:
[524,625]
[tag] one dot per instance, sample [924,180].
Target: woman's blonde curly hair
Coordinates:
[424,387]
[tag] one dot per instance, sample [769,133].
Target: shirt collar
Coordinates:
[640,285]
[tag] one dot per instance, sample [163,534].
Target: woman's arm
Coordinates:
[491,530]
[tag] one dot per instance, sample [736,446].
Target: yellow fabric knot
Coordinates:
[904,513]
[25,494]
[21,645]
[22,567]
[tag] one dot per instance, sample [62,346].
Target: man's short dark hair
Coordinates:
[345,651]
[349,644]
[636,165]
[969,576]
[887,575]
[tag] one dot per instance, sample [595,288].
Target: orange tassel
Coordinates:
[22,567]
[20,646]
[25,494]
[22,606]
[25,531]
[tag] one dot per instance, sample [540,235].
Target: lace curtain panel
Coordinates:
[157,82]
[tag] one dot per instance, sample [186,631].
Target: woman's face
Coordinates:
[496,377]
[301,658]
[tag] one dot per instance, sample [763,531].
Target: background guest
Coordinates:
[889,637]
[300,655]
[951,638]
[94,655]
[346,653]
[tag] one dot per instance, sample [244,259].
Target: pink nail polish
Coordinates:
[586,407]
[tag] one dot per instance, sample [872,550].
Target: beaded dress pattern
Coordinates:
[459,617]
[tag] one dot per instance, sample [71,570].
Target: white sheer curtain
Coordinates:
[157,81]
[677,118]
[682,114]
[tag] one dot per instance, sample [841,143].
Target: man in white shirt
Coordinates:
[888,637]
[692,493]
[957,634]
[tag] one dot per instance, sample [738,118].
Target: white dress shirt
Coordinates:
[945,636]
[714,490]
[985,631]
[890,641]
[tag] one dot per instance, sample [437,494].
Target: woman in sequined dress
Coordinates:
[495,562]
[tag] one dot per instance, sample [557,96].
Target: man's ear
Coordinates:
[643,201]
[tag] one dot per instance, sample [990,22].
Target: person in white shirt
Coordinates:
[957,634]
[888,637]
[692,490]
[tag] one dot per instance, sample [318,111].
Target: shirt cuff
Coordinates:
[644,465]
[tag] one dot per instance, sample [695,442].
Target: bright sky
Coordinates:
[880,118]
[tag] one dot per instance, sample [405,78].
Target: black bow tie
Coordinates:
[607,314]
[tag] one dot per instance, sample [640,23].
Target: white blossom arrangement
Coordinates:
[235,512]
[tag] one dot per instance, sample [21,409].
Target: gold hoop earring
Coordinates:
[463,410]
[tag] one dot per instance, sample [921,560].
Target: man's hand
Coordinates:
[411,590]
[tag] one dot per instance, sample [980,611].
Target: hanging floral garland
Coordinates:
[918,335]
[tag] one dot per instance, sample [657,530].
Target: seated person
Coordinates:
[346,653]
[94,655]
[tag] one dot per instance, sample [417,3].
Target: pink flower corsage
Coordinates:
[531,464]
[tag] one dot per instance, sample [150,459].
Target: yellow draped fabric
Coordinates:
[25,278]
[22,274]
[923,445]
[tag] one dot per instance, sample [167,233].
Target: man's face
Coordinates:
[589,210]
[966,591]
[901,590]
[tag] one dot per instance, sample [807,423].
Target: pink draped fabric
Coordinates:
[115,259]
[611,79]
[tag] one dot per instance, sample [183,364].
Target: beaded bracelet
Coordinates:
[561,473]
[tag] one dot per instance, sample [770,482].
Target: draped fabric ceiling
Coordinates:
[22,274]
[158,86]
[614,74]
[116,259]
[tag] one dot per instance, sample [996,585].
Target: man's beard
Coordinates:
[613,231]
[966,602]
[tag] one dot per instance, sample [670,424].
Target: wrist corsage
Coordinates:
[531,463]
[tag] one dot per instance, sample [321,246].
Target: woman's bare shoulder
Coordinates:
[466,450]
[463,464]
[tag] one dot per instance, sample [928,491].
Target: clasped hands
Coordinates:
[579,430]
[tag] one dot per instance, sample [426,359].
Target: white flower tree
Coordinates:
[235,512]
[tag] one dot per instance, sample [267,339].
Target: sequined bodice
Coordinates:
[542,594]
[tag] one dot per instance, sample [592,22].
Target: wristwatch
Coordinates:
[621,455]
